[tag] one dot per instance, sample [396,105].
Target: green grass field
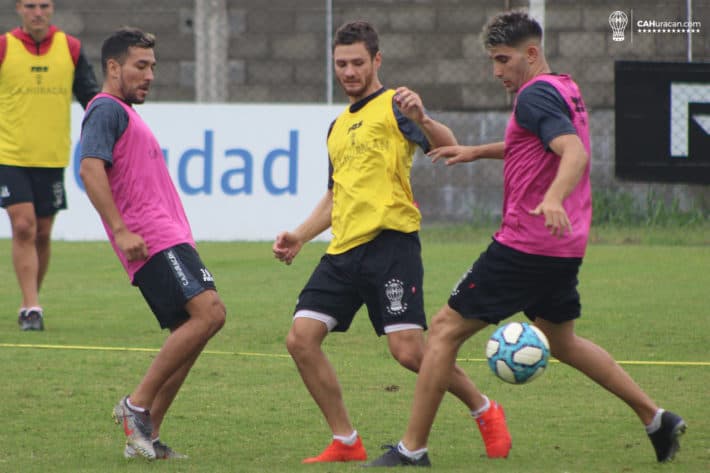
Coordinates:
[244,408]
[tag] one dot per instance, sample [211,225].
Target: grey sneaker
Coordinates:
[35,319]
[137,427]
[162,452]
[23,321]
[665,439]
[394,458]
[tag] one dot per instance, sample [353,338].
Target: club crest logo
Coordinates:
[618,21]
[58,194]
[394,290]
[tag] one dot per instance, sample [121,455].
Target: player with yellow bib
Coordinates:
[374,257]
[41,68]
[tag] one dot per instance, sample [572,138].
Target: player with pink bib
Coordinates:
[529,167]
[135,180]
[533,262]
[128,183]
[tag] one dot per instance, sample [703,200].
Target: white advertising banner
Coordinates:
[244,172]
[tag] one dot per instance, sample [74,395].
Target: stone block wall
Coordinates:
[277,53]
[277,48]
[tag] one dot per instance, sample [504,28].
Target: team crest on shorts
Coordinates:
[394,290]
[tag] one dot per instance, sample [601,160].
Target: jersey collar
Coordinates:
[29,40]
[362,102]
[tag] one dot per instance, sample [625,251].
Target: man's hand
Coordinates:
[410,104]
[286,247]
[131,245]
[573,162]
[454,154]
[556,219]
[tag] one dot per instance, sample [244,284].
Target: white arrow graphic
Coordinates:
[683,93]
[703,121]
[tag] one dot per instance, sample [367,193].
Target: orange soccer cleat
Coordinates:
[494,431]
[337,451]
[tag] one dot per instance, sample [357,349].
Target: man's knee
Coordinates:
[24,227]
[563,341]
[564,347]
[407,347]
[44,230]
[218,314]
[443,326]
[209,308]
[410,358]
[294,344]
[305,336]
[448,327]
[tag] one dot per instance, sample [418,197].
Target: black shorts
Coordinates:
[504,281]
[170,279]
[43,187]
[386,274]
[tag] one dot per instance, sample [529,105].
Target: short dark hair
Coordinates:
[510,29]
[116,46]
[358,32]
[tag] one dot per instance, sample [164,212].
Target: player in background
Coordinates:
[533,261]
[374,256]
[40,68]
[128,183]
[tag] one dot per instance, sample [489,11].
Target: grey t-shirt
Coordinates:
[104,123]
[541,110]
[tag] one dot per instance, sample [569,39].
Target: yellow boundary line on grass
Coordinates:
[135,349]
[276,355]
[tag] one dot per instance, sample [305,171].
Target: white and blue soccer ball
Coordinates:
[517,352]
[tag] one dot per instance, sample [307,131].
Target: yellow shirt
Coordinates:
[371,161]
[35,99]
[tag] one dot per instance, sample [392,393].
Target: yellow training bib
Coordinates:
[371,161]
[35,99]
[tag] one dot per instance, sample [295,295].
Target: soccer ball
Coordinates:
[517,352]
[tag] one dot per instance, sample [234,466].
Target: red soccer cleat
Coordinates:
[337,451]
[495,431]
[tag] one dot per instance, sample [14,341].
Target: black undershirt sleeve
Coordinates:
[85,85]
[541,110]
[330,163]
[103,126]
